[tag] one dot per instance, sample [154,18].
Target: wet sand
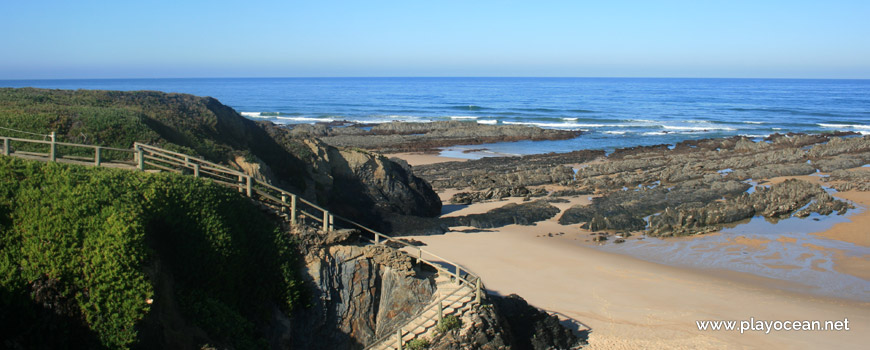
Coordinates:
[630,303]
[633,304]
[423,158]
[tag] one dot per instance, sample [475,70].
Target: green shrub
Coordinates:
[418,344]
[448,323]
[95,234]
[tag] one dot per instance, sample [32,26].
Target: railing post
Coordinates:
[6,146]
[241,184]
[399,339]
[325,221]
[97,151]
[377,239]
[52,155]
[458,274]
[440,311]
[331,222]
[479,291]
[140,158]
[293,209]
[283,202]
[248,185]
[195,169]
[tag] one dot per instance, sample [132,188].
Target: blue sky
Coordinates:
[160,39]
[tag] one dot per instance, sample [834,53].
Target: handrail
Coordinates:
[439,302]
[259,190]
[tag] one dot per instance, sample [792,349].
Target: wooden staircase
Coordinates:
[452,298]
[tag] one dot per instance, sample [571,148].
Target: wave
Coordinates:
[655,133]
[788,111]
[697,128]
[845,126]
[254,115]
[488,121]
[581,111]
[268,115]
[755,135]
[462,117]
[556,125]
[615,132]
[753,122]
[308,119]
[570,119]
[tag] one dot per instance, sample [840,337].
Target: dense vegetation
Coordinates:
[185,123]
[85,251]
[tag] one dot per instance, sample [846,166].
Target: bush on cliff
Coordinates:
[83,251]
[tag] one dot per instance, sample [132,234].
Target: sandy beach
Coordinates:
[633,303]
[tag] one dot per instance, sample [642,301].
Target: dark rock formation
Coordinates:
[506,172]
[364,186]
[531,328]
[510,323]
[404,137]
[778,201]
[843,180]
[520,214]
[495,194]
[358,294]
[625,210]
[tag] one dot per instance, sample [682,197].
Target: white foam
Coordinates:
[569,119]
[755,136]
[488,121]
[558,125]
[655,133]
[752,122]
[252,114]
[615,132]
[776,128]
[383,119]
[697,128]
[851,126]
[462,117]
[307,119]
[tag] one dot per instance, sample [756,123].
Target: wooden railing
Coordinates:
[53,155]
[146,157]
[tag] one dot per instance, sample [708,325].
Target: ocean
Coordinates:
[613,112]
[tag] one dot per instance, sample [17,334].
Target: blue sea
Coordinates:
[613,112]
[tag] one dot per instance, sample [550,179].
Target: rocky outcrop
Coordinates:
[506,172]
[357,294]
[843,180]
[364,186]
[510,214]
[495,194]
[509,323]
[781,200]
[625,210]
[404,136]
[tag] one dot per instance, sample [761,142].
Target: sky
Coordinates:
[329,38]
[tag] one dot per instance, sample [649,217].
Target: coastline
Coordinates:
[631,302]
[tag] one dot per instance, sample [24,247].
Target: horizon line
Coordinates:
[433,77]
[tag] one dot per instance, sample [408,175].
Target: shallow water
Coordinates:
[784,250]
